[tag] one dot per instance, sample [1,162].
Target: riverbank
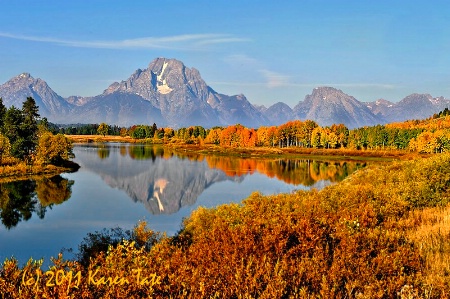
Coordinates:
[107,138]
[266,152]
[22,171]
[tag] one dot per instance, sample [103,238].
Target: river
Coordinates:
[119,184]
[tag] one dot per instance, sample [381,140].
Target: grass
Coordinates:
[432,236]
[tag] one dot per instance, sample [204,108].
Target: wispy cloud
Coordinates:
[186,41]
[271,79]
[274,79]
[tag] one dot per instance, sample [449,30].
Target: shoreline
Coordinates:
[255,152]
[18,173]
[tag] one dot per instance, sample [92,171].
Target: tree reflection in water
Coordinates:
[295,171]
[20,199]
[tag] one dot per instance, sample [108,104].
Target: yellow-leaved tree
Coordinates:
[53,149]
[5,147]
[103,129]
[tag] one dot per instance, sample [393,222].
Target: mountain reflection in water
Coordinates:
[165,180]
[162,180]
[41,216]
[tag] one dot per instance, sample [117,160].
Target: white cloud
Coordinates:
[266,78]
[271,79]
[222,40]
[186,41]
[275,79]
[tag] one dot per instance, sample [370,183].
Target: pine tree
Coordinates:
[12,130]
[29,126]
[2,113]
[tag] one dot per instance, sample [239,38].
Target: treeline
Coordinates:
[444,112]
[426,136]
[307,134]
[83,129]
[25,137]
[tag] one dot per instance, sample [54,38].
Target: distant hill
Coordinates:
[171,94]
[17,89]
[414,106]
[278,113]
[328,105]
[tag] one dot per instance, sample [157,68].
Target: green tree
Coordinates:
[139,132]
[160,133]
[12,130]
[149,132]
[103,129]
[29,126]
[2,113]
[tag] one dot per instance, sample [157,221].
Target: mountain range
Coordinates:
[170,94]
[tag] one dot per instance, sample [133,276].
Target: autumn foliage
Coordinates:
[381,233]
[422,136]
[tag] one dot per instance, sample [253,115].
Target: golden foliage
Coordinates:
[381,233]
[53,190]
[52,149]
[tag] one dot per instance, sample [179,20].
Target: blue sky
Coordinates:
[269,51]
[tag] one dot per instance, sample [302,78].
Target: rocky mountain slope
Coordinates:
[184,98]
[328,105]
[17,89]
[170,94]
[278,113]
[414,106]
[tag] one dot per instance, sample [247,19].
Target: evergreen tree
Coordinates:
[29,126]
[2,113]
[154,128]
[12,129]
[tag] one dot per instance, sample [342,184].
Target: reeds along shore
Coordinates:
[381,233]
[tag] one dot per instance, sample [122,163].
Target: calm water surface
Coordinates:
[118,185]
